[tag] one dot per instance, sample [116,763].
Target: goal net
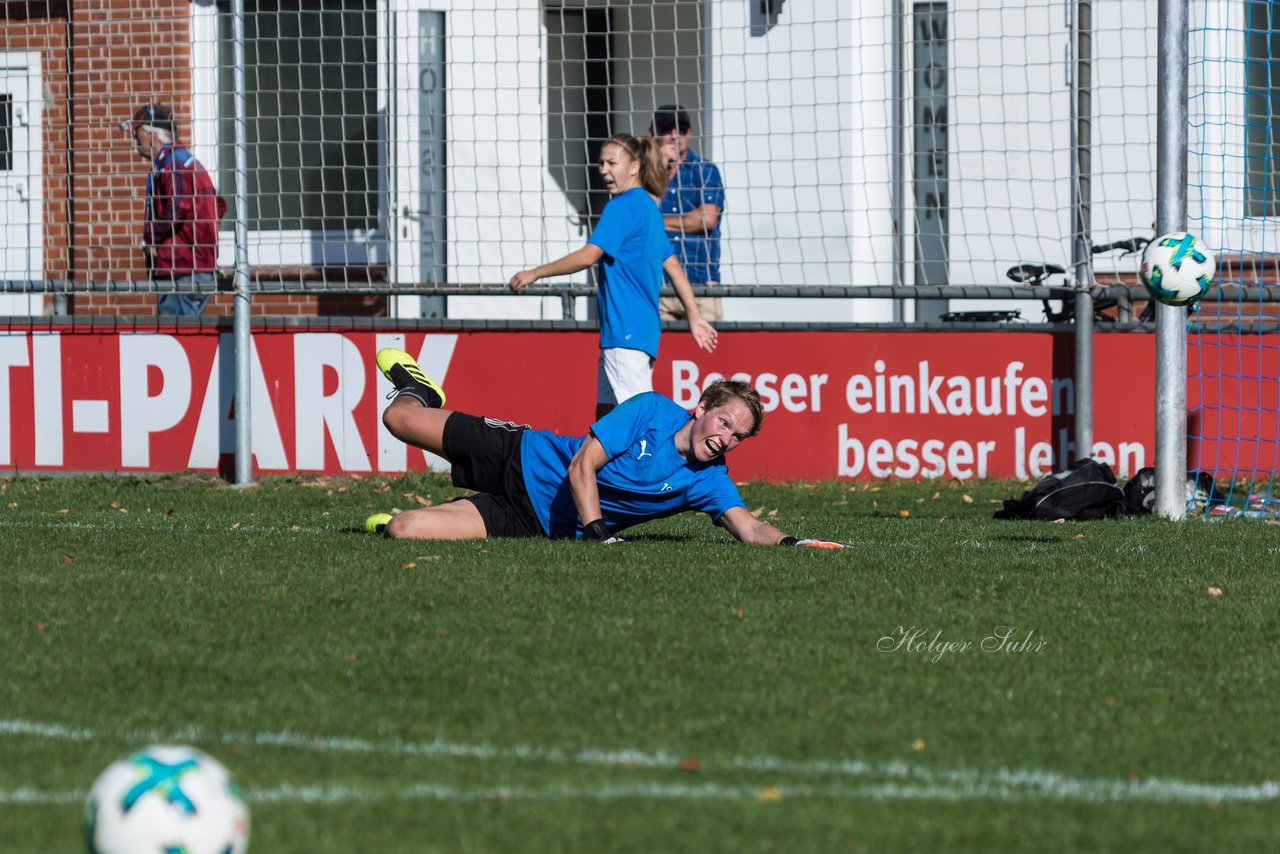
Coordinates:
[1233,380]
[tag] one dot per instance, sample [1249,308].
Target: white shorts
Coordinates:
[623,374]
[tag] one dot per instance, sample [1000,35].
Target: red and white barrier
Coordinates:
[865,405]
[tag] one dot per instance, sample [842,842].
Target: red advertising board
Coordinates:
[864,405]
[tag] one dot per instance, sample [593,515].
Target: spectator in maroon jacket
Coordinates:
[180,235]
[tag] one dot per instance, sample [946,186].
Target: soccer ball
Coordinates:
[1177,268]
[166,799]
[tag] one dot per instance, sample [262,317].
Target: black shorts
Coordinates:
[485,454]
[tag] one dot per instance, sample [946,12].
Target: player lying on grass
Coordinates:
[647,459]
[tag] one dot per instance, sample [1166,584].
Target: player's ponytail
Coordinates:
[653,169]
[646,151]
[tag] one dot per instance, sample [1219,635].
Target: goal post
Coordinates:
[1171,215]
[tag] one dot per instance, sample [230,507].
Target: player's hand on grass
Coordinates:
[704,334]
[811,544]
[600,532]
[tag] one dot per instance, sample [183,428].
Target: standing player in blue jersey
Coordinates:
[630,243]
[646,459]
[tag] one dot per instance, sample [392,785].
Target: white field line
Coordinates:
[141,522]
[709,791]
[286,793]
[27,796]
[893,780]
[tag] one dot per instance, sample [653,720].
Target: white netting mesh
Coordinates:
[406,143]
[401,144]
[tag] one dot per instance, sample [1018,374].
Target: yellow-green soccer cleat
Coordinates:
[377,523]
[403,372]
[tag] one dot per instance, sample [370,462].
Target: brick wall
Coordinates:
[101,59]
[124,53]
[262,305]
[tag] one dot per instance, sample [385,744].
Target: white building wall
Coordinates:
[1011,135]
[506,211]
[799,120]
[784,126]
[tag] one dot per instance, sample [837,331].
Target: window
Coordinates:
[311,108]
[1262,111]
[931,85]
[6,132]
[764,15]
[578,98]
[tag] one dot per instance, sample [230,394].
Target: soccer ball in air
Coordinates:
[164,799]
[1177,268]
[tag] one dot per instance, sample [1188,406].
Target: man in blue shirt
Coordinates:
[691,210]
[646,459]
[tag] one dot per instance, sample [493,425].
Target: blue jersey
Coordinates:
[696,183]
[635,245]
[645,478]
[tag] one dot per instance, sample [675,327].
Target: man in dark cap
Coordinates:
[691,210]
[183,210]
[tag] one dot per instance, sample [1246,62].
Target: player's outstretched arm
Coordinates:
[591,457]
[580,259]
[704,334]
[748,529]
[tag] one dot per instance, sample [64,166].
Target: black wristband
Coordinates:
[788,541]
[596,530]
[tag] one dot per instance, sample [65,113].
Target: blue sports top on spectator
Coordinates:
[696,183]
[635,244]
[645,478]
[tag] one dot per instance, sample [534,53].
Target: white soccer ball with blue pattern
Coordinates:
[166,800]
[1177,268]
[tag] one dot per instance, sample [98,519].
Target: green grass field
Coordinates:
[680,692]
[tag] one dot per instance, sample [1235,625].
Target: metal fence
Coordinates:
[405,148]
[399,146]
[874,162]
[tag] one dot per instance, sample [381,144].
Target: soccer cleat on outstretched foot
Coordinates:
[377,523]
[404,373]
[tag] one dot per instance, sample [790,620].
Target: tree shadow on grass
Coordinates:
[1026,538]
[636,537]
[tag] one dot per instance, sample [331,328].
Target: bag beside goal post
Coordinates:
[1086,491]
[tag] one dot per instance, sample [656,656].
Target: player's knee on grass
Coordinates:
[403,526]
[456,520]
